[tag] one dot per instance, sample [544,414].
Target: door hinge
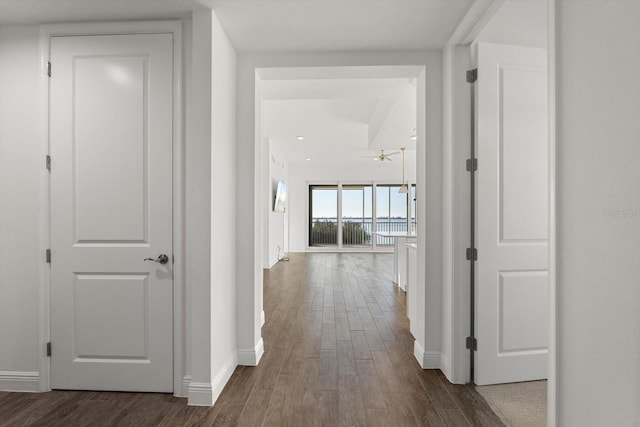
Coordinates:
[47,256]
[472,343]
[472,254]
[472,165]
[49,68]
[48,163]
[472,75]
[49,349]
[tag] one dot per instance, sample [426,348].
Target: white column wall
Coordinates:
[21,198]
[224,357]
[598,213]
[210,184]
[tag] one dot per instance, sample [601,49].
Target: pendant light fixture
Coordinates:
[403,189]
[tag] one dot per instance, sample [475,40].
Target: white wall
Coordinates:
[223,208]
[518,22]
[598,215]
[21,166]
[211,210]
[250,176]
[278,222]
[318,172]
[198,213]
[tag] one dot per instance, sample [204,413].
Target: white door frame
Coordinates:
[104,28]
[456,123]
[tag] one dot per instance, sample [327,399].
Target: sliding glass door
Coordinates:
[356,215]
[349,215]
[323,215]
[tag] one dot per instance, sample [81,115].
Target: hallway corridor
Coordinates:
[338,352]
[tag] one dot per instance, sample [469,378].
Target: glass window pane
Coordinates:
[368,202]
[382,214]
[398,204]
[398,220]
[324,216]
[352,202]
[382,202]
[354,229]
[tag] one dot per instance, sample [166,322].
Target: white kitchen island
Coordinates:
[400,240]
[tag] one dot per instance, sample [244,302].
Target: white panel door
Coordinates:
[111,207]
[512,313]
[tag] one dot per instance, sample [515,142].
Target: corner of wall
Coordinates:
[251,357]
[427,359]
[206,394]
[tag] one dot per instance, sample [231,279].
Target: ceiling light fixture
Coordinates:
[403,188]
[299,137]
[415,138]
[308,158]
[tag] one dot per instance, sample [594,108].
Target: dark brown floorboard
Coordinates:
[338,352]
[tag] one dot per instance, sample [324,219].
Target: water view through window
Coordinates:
[359,215]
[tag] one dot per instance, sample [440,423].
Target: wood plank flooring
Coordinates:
[338,352]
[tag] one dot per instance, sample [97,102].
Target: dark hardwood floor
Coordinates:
[338,352]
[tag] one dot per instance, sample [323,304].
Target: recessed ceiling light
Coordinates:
[299,137]
[308,158]
[414,138]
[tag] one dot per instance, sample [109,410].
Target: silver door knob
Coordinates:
[162,259]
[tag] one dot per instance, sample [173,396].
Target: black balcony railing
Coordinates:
[355,232]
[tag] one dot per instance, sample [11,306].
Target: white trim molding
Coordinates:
[263,319]
[251,357]
[20,381]
[224,375]
[426,359]
[184,391]
[206,394]
[201,394]
[444,365]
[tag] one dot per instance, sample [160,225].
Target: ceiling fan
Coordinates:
[382,156]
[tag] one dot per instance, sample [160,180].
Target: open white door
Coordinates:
[512,315]
[111,207]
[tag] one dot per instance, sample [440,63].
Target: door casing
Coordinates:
[180,379]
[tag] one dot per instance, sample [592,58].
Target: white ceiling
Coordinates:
[339,25]
[275,25]
[341,120]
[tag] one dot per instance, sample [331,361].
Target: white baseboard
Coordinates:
[262,319]
[426,359]
[200,394]
[20,381]
[444,364]
[221,379]
[205,394]
[184,392]
[251,357]
[273,262]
